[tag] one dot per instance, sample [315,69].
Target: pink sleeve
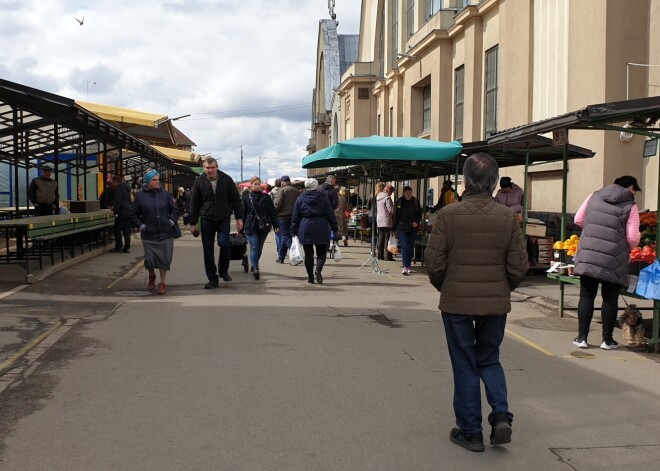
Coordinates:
[632,228]
[579,216]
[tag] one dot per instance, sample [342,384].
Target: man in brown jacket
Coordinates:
[475,258]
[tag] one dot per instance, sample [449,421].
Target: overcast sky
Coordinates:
[243,69]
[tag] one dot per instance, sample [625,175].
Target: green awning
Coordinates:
[197,170]
[377,148]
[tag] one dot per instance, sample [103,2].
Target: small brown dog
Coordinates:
[633,330]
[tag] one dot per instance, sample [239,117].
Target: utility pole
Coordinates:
[241,164]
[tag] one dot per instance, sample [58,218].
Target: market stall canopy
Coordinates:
[640,117]
[514,152]
[123,115]
[179,155]
[371,149]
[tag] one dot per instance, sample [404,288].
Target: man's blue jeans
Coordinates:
[256,241]
[474,348]
[211,229]
[407,241]
[285,231]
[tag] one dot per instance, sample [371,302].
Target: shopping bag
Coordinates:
[295,252]
[335,253]
[648,284]
[393,244]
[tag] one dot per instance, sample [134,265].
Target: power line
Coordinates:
[214,115]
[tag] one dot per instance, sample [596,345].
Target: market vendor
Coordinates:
[43,192]
[510,195]
[447,196]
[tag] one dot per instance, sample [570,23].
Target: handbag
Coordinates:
[263,223]
[295,252]
[176,231]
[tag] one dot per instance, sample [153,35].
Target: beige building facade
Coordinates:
[461,69]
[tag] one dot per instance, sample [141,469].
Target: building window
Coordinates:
[395,31]
[426,97]
[432,7]
[460,4]
[459,87]
[490,110]
[378,125]
[382,43]
[391,121]
[410,25]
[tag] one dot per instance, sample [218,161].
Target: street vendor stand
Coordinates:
[378,156]
[639,117]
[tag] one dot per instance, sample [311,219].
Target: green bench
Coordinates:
[40,236]
[79,228]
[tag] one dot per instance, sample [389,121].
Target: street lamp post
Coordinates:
[260,159]
[89,84]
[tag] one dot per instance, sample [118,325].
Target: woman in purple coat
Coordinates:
[312,221]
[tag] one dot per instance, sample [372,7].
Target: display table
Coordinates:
[654,343]
[32,235]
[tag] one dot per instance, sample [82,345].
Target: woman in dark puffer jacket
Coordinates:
[312,221]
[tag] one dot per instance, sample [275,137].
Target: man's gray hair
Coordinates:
[329,178]
[210,161]
[481,173]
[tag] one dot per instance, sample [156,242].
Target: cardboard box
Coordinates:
[87,206]
[536,230]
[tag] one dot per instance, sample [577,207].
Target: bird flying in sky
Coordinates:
[80,21]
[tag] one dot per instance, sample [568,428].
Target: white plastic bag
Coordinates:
[335,254]
[295,253]
[393,244]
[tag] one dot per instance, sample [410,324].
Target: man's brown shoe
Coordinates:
[161,288]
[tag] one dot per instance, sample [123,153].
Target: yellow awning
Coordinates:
[124,115]
[178,155]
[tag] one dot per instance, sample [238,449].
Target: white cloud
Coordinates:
[182,56]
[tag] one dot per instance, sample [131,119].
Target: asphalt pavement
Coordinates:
[98,373]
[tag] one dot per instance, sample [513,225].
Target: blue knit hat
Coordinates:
[149,175]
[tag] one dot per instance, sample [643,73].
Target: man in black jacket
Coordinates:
[214,196]
[122,208]
[329,189]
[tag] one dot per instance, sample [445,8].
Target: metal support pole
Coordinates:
[564,192]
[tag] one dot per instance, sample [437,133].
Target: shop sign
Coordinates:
[559,137]
[650,147]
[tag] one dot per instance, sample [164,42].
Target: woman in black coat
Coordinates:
[258,205]
[154,212]
[312,221]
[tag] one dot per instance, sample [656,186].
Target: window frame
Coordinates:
[459,102]
[426,108]
[491,58]
[394,31]
[410,19]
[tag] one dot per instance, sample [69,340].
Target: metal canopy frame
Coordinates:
[37,127]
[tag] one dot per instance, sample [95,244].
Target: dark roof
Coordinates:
[513,152]
[50,124]
[640,115]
